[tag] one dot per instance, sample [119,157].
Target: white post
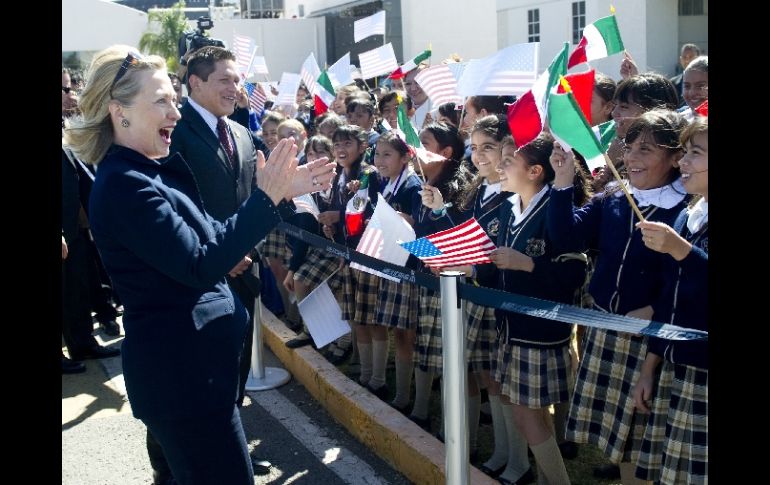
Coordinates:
[455,388]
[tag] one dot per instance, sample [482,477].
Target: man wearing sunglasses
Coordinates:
[69,101]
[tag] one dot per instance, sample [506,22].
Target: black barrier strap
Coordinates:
[511,302]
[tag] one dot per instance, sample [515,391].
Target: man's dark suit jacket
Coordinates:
[222,188]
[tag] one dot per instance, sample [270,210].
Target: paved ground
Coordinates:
[103,444]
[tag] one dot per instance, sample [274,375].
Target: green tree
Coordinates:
[163,33]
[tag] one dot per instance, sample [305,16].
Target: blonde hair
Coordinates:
[90,135]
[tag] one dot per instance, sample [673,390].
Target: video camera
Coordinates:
[192,41]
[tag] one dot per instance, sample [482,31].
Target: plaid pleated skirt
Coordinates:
[675,445]
[481,336]
[428,345]
[276,247]
[397,304]
[317,267]
[602,409]
[534,377]
[359,305]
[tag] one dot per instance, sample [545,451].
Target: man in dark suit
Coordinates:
[222,157]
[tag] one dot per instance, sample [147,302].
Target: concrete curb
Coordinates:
[390,434]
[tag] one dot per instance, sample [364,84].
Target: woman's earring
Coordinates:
[124,123]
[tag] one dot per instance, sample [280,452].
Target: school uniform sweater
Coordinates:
[555,277]
[684,299]
[627,274]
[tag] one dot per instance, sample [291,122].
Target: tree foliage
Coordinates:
[163,32]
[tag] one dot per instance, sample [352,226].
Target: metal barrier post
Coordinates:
[455,387]
[262,378]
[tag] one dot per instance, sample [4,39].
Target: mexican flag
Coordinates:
[570,128]
[600,39]
[605,133]
[356,207]
[410,64]
[325,94]
[526,116]
[582,85]
[410,135]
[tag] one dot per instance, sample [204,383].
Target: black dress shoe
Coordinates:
[97,352]
[261,467]
[381,392]
[569,450]
[492,473]
[607,471]
[528,477]
[111,328]
[299,341]
[70,367]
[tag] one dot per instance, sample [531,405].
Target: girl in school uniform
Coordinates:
[310,266]
[482,199]
[626,280]
[397,302]
[359,305]
[446,178]
[533,362]
[675,447]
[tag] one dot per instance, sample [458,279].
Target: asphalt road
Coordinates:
[103,444]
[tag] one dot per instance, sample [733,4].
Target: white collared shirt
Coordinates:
[515,199]
[698,216]
[209,118]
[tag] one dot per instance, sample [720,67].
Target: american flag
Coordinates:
[509,71]
[379,240]
[381,60]
[309,73]
[287,89]
[467,243]
[439,84]
[259,66]
[244,48]
[256,97]
[371,25]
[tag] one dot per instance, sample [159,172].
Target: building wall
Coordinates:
[451,26]
[650,30]
[285,43]
[92,25]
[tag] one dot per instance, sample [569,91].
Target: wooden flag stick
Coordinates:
[419,166]
[623,187]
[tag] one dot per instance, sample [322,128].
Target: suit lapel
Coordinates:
[199,126]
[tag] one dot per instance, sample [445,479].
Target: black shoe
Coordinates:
[422,423]
[569,450]
[607,471]
[381,392]
[111,328]
[338,356]
[528,477]
[97,352]
[261,467]
[492,473]
[402,410]
[299,341]
[70,367]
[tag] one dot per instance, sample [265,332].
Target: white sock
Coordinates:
[404,371]
[379,363]
[550,462]
[423,381]
[474,409]
[518,461]
[500,454]
[365,356]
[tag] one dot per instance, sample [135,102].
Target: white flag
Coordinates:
[380,238]
[287,89]
[339,72]
[323,316]
[309,73]
[510,71]
[372,25]
[305,203]
[375,62]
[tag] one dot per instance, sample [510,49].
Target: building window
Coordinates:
[533,25]
[690,7]
[578,20]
